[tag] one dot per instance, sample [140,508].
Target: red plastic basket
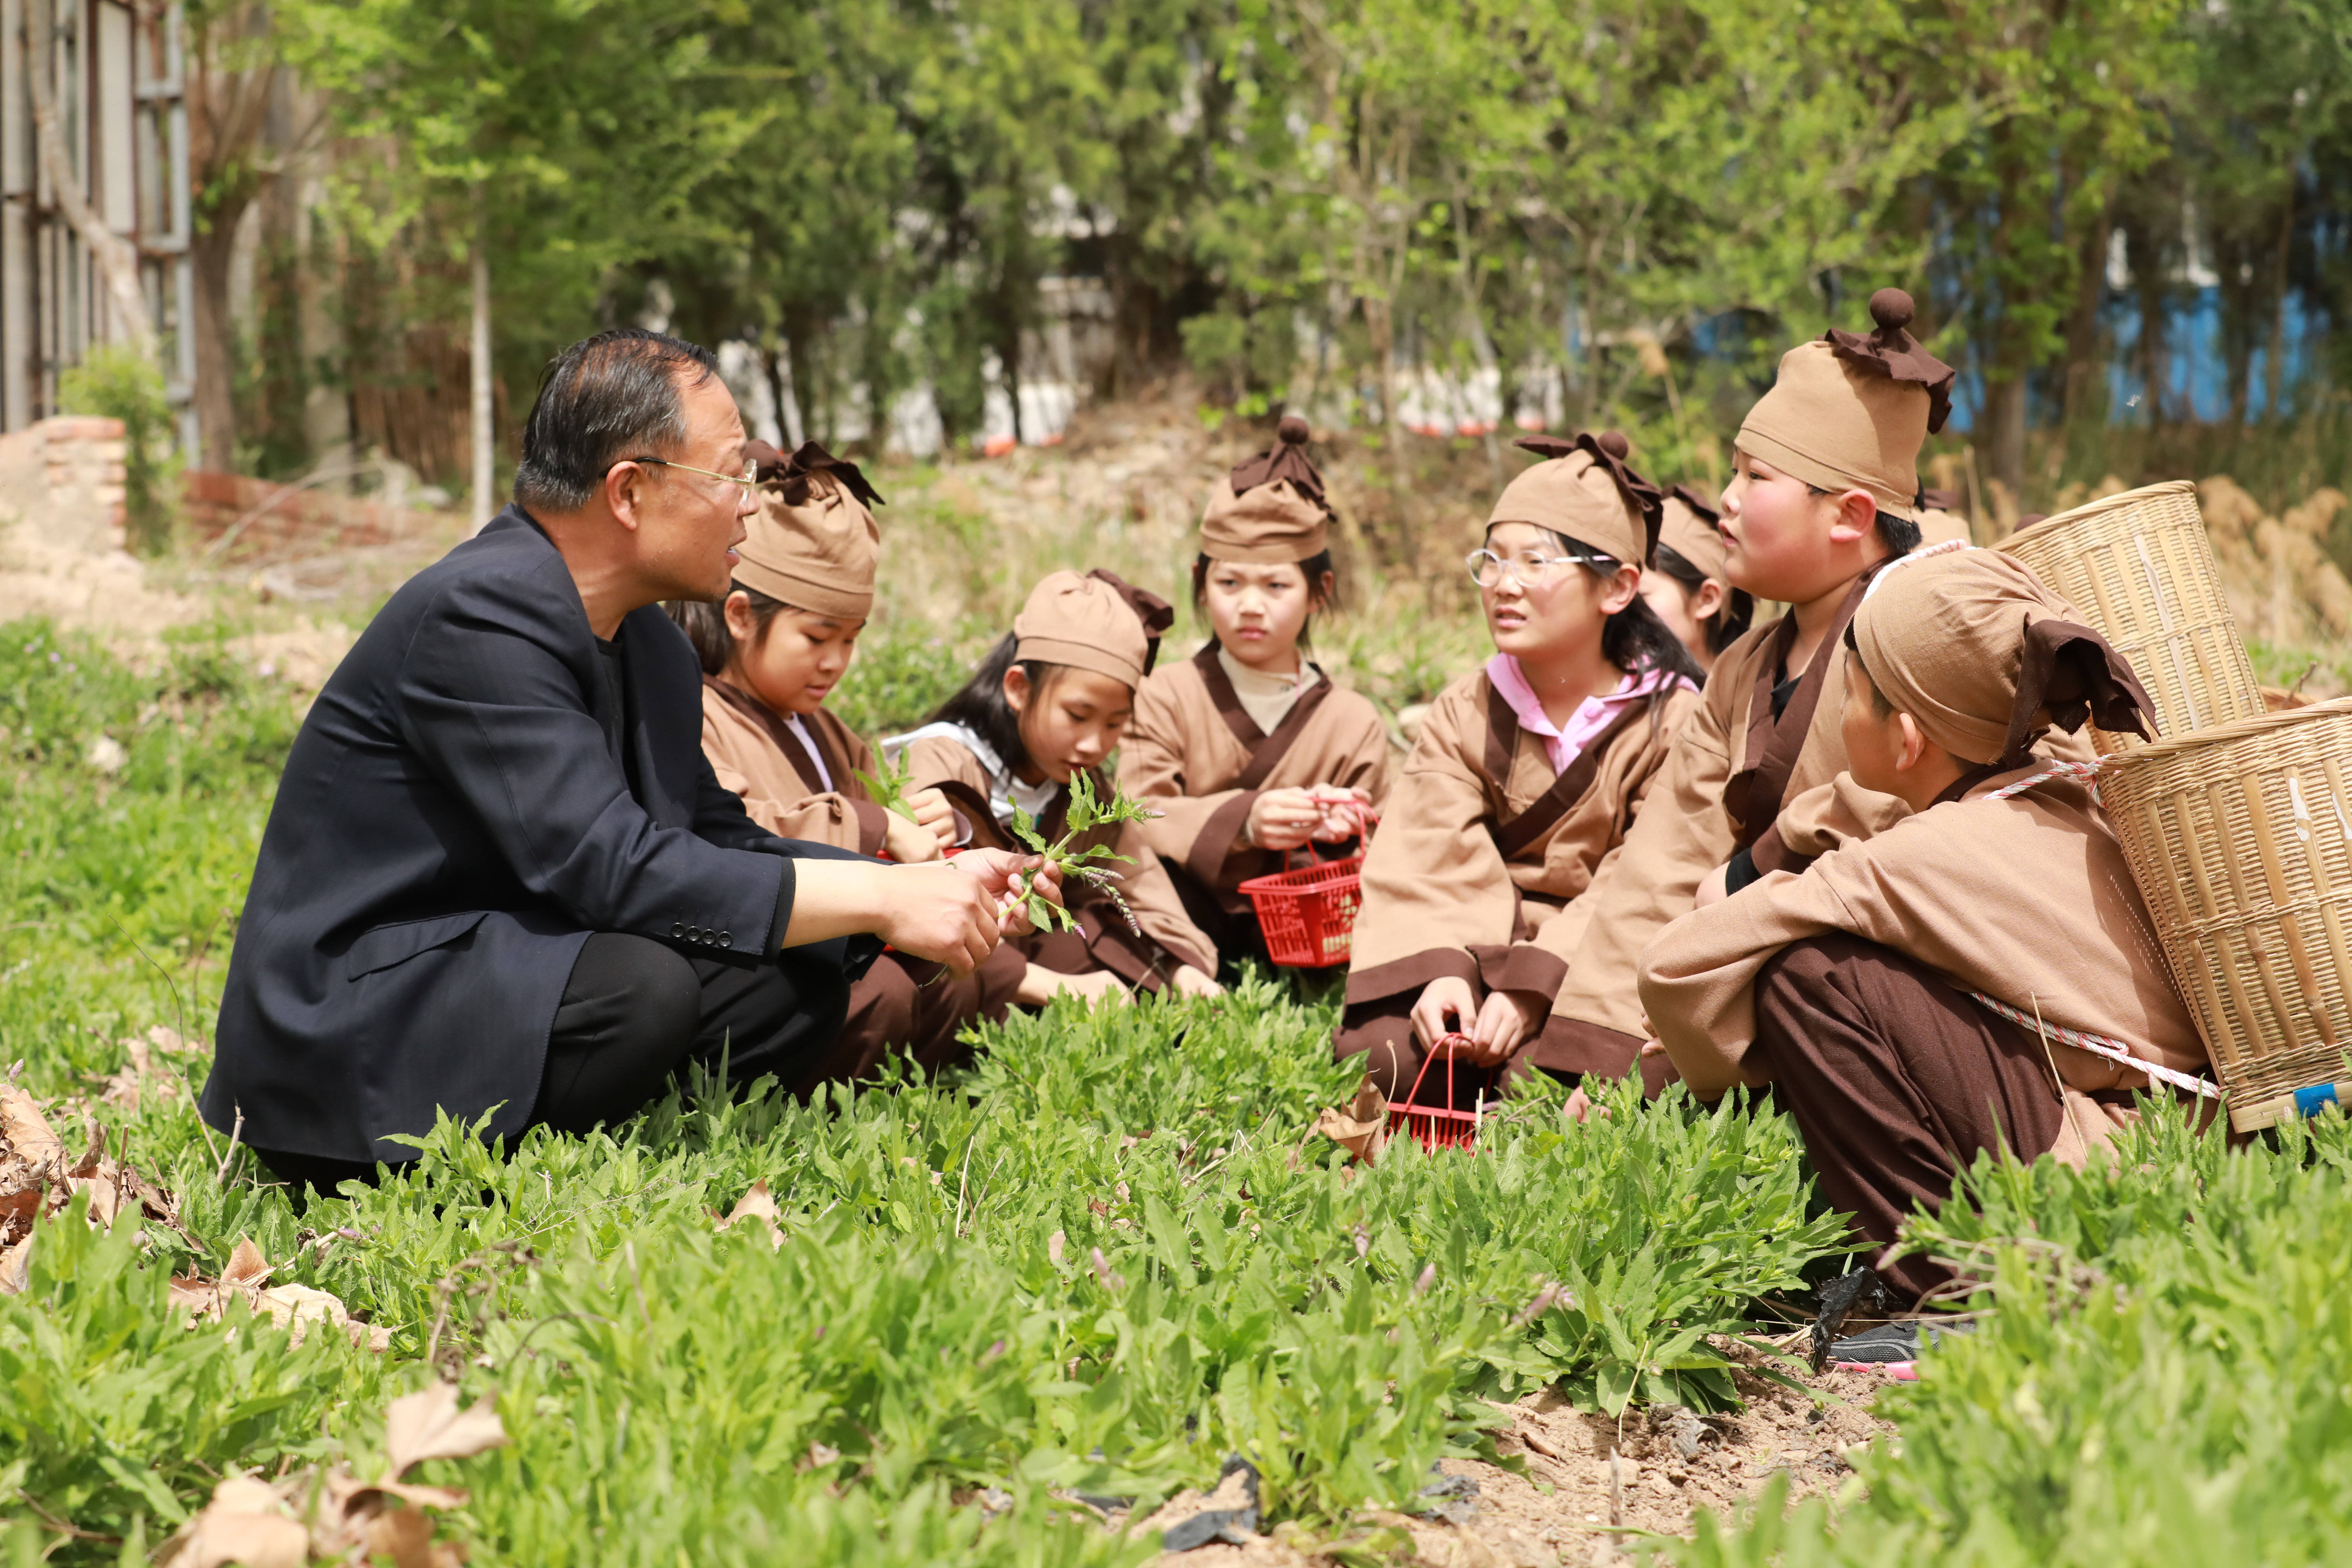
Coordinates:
[1309,915]
[1441,1126]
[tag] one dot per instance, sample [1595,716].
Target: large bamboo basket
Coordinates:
[2240,839]
[2141,566]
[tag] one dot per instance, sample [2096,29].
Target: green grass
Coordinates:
[1104,1259]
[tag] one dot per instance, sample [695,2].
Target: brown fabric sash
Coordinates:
[786,739]
[1755,795]
[1575,781]
[1265,752]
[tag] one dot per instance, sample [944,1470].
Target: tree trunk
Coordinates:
[2083,324]
[486,454]
[214,251]
[2151,348]
[2005,432]
[117,258]
[2274,362]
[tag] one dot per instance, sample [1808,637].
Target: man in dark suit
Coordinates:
[500,875]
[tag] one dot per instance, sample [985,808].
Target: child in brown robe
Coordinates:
[1983,972]
[1686,584]
[1248,751]
[1525,779]
[771,651]
[1049,702]
[1824,495]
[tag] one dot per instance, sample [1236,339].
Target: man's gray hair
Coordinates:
[603,400]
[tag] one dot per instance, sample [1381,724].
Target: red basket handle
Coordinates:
[1446,1046]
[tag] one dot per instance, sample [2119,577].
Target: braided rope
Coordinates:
[2113,1051]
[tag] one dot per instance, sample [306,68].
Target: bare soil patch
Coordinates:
[1574,1506]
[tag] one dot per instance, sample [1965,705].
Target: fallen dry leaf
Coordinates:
[291,1307]
[758,1205]
[430,1425]
[24,1131]
[15,1267]
[248,1522]
[256,1523]
[246,1264]
[1363,1128]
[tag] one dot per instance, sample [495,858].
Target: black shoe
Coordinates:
[1890,1344]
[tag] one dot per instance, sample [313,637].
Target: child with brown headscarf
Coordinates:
[1686,584]
[1051,701]
[1983,972]
[1824,495]
[1524,780]
[1248,751]
[771,652]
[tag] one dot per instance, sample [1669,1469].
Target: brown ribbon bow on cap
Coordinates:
[1285,459]
[2071,672]
[812,460]
[1156,612]
[1895,353]
[1609,450]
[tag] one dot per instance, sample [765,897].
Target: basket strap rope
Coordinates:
[2059,768]
[2113,1051]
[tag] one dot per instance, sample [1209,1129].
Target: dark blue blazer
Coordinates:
[452,825]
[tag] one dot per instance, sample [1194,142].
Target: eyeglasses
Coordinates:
[1529,570]
[748,479]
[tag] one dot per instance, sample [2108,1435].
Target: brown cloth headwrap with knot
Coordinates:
[1687,527]
[1987,658]
[1096,622]
[812,545]
[1852,411]
[1271,511]
[1583,490]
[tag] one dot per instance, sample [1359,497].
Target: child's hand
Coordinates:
[1190,981]
[1447,1006]
[1347,813]
[1040,985]
[1283,818]
[932,812]
[906,842]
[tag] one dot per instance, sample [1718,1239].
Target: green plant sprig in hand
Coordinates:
[1087,813]
[886,787]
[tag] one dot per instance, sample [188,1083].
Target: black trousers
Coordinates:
[634,1013]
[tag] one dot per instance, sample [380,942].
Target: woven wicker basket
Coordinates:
[2241,838]
[2140,564]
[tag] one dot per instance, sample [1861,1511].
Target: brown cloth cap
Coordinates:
[1270,512]
[1974,647]
[1583,490]
[1096,622]
[1852,411]
[1687,528]
[814,543]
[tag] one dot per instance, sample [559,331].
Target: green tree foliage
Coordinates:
[1610,212]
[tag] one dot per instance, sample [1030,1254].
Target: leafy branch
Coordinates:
[1087,812]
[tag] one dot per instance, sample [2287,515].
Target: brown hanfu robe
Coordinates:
[1784,801]
[1481,866]
[1167,938]
[1194,754]
[902,1002]
[757,753]
[1850,981]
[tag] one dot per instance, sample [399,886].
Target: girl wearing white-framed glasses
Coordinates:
[1523,780]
